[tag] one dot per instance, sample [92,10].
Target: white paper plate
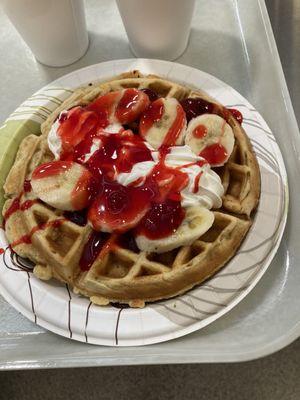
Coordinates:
[53,306]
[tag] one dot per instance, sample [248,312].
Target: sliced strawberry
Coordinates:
[131,105]
[76,125]
[123,106]
[118,208]
[104,107]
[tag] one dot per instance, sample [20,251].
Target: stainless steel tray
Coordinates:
[233,40]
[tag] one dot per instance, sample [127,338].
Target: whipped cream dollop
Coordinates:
[204,186]
[54,140]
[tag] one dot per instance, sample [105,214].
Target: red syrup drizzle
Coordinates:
[166,213]
[169,181]
[127,241]
[118,153]
[92,249]
[109,245]
[27,239]
[154,113]
[52,168]
[27,186]
[83,191]
[131,105]
[77,217]
[237,115]
[200,163]
[194,107]
[27,204]
[176,128]
[200,131]
[151,94]
[197,181]
[215,154]
[1,251]
[162,220]
[16,204]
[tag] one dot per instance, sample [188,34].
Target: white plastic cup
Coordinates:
[55,30]
[157,28]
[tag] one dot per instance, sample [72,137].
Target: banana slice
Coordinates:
[197,221]
[211,137]
[65,185]
[123,106]
[163,123]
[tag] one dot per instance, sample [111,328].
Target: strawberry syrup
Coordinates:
[152,209]
[215,154]
[200,131]
[154,114]
[197,181]
[132,103]
[176,128]
[27,239]
[16,204]
[52,168]
[92,249]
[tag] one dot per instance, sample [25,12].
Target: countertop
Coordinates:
[274,377]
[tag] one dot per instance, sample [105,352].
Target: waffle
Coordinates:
[125,274]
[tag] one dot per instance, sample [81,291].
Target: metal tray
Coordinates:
[232,40]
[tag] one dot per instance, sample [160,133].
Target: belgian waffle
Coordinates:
[125,274]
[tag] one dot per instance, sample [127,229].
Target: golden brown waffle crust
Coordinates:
[123,275]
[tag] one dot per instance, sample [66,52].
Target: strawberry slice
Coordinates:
[75,125]
[131,105]
[104,107]
[123,106]
[119,208]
